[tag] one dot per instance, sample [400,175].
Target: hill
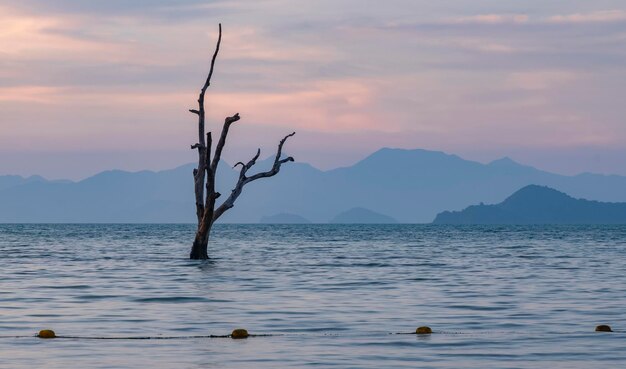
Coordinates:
[362,216]
[412,186]
[538,205]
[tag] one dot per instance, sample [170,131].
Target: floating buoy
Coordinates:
[239,333]
[423,330]
[603,328]
[46,333]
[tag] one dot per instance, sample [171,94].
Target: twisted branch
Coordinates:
[243,179]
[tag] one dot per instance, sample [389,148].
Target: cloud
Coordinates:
[29,94]
[603,16]
[30,36]
[116,7]
[326,105]
[70,40]
[420,73]
[488,19]
[600,16]
[250,44]
[541,80]
[473,44]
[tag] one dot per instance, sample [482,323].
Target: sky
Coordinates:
[87,86]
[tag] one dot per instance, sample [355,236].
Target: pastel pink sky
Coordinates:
[87,86]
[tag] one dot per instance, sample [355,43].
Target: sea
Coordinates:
[312,296]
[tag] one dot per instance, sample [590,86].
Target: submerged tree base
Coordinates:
[199,250]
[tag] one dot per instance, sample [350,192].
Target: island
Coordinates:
[535,204]
[360,215]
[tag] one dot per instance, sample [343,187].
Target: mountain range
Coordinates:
[538,205]
[410,186]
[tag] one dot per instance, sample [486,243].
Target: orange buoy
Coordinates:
[239,333]
[46,333]
[423,330]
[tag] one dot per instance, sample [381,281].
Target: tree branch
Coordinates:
[217,49]
[203,153]
[210,183]
[243,179]
[220,144]
[246,167]
[207,159]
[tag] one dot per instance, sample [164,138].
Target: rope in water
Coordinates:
[242,333]
[157,337]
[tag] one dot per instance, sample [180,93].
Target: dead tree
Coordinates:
[204,176]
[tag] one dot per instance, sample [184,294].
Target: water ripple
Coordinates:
[496,297]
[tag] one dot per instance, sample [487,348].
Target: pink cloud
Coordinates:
[489,19]
[330,105]
[28,37]
[29,94]
[593,17]
[422,83]
[542,79]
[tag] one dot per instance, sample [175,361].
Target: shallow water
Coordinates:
[496,297]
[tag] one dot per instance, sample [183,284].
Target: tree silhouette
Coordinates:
[204,176]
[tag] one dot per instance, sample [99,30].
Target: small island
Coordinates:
[538,205]
[360,215]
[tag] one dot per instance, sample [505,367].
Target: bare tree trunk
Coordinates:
[204,175]
[199,249]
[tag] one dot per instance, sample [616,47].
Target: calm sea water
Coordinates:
[496,297]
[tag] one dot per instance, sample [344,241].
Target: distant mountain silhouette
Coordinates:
[411,186]
[362,216]
[538,205]
[11,181]
[284,218]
